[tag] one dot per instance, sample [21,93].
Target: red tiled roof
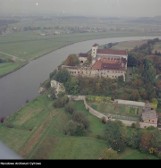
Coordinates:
[104,63]
[97,65]
[112,52]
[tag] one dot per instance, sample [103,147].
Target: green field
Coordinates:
[129,154]
[128,45]
[8,67]
[36,132]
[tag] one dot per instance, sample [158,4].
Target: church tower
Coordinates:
[94,50]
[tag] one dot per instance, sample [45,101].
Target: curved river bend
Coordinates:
[24,83]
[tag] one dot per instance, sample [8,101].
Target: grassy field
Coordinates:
[129,45]
[8,67]
[129,154]
[36,132]
[116,109]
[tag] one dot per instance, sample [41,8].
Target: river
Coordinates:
[22,85]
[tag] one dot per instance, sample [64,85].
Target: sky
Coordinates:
[106,8]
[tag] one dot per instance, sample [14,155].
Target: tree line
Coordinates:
[118,137]
[141,87]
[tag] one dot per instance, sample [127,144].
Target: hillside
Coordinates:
[36,132]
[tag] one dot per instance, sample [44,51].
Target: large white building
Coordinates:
[105,63]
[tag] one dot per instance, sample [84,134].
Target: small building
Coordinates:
[149,117]
[57,86]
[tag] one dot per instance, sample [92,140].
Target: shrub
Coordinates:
[2,119]
[69,108]
[81,118]
[61,102]
[74,129]
[103,119]
[115,135]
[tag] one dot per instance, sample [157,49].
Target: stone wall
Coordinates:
[100,115]
[97,113]
[145,125]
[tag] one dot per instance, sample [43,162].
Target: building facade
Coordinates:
[107,63]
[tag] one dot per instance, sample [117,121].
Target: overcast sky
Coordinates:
[107,8]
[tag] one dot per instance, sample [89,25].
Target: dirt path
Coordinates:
[13,57]
[35,138]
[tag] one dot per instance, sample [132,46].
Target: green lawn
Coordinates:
[8,67]
[29,45]
[128,45]
[115,109]
[135,154]
[78,148]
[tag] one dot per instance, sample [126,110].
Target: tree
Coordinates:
[74,128]
[154,103]
[81,118]
[72,60]
[109,154]
[62,76]
[2,119]
[134,94]
[133,138]
[132,61]
[72,86]
[69,108]
[61,102]
[156,141]
[115,134]
[70,128]
[149,72]
[145,141]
